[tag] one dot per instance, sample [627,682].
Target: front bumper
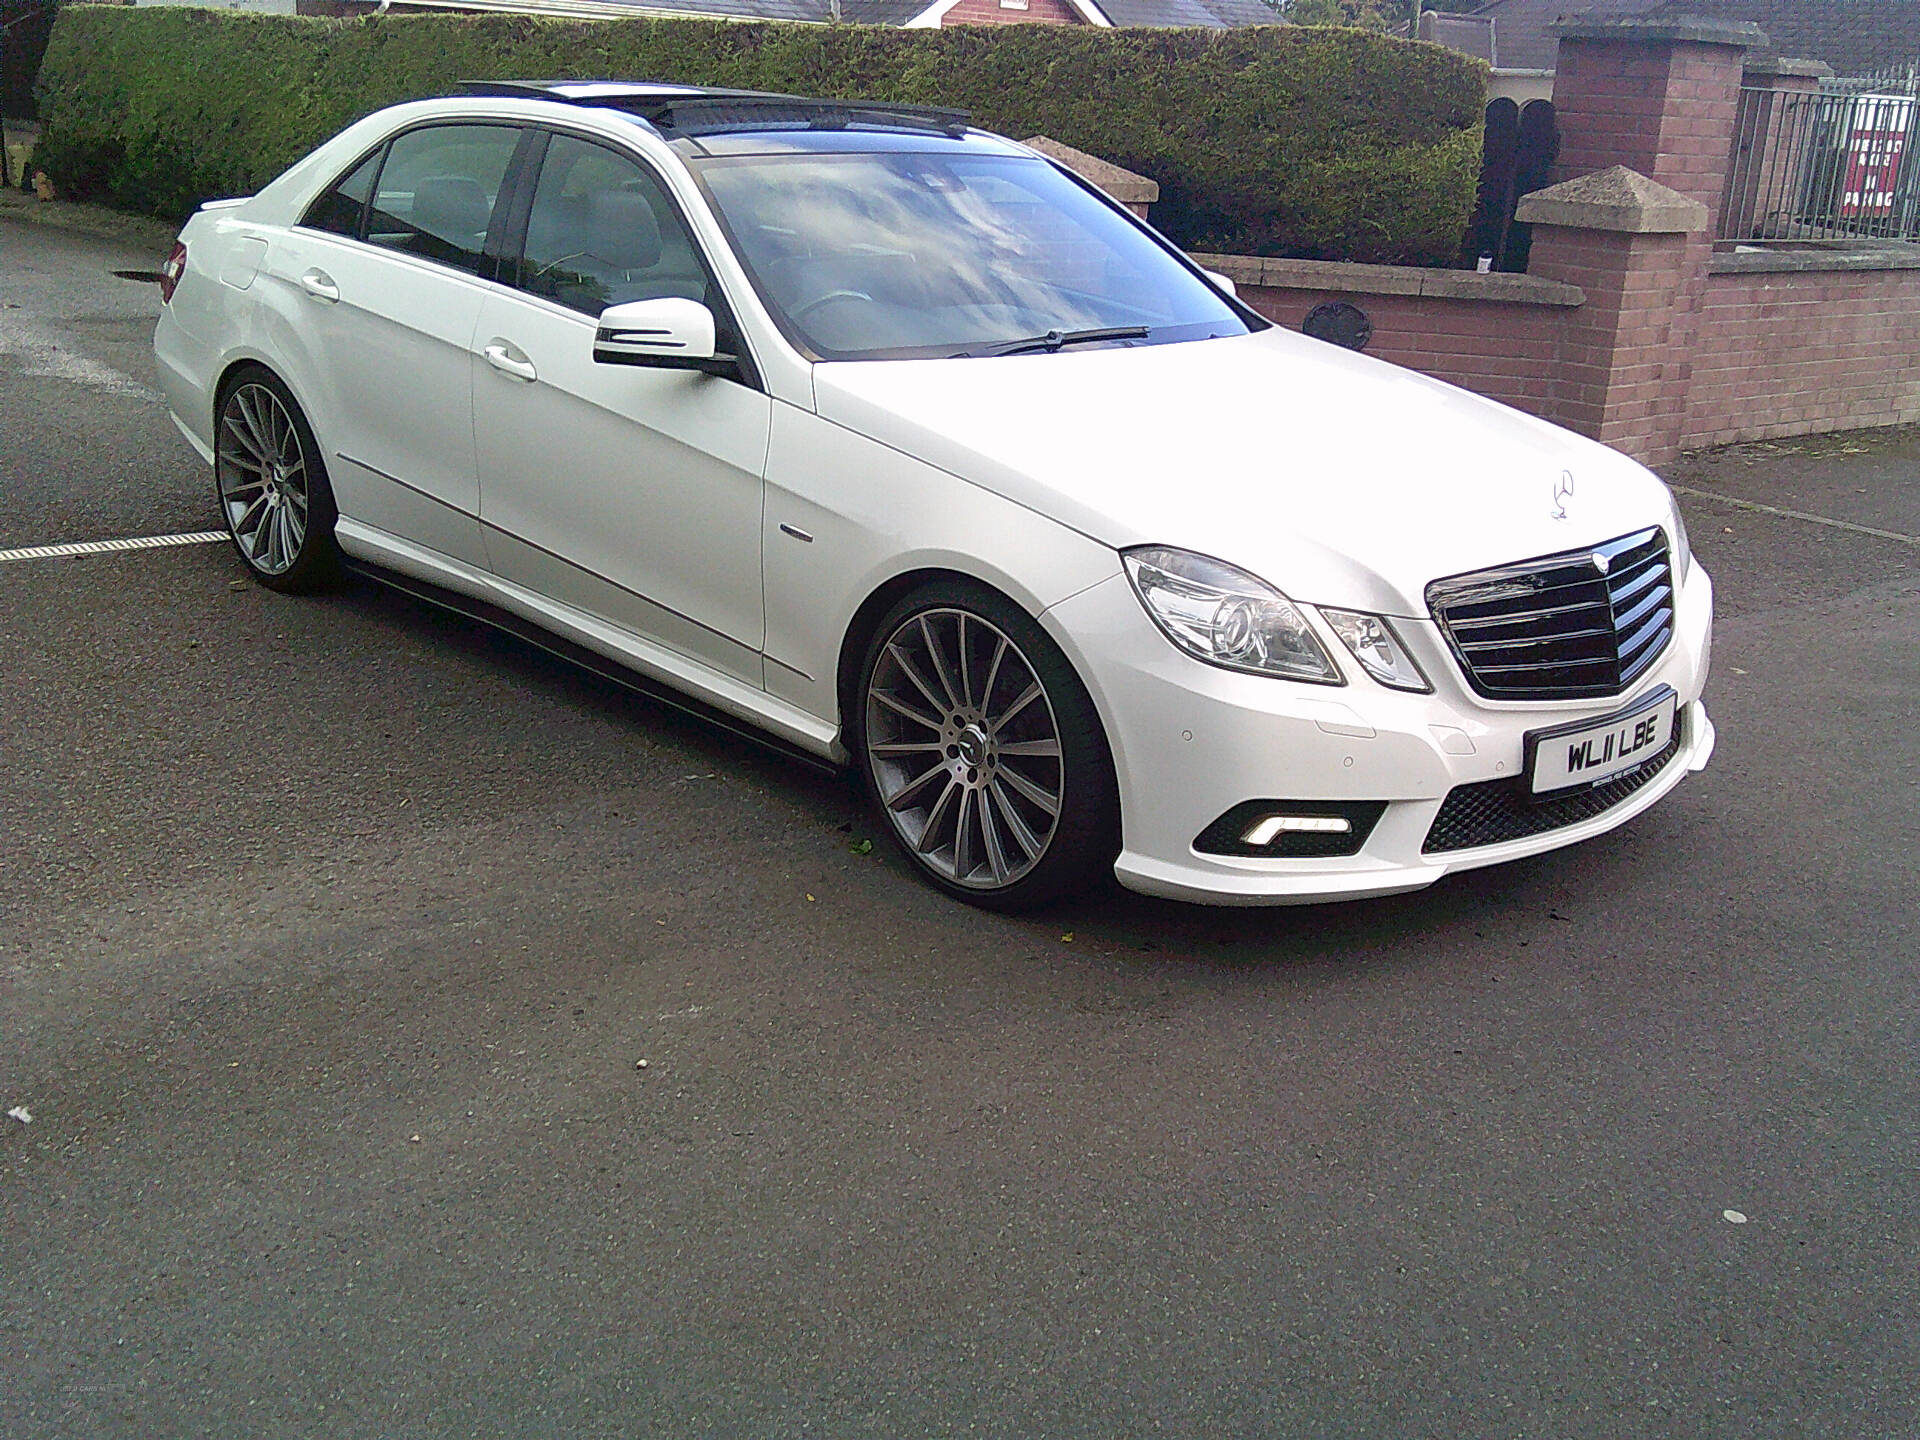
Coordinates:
[1191,741]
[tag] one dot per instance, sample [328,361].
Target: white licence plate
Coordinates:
[1592,750]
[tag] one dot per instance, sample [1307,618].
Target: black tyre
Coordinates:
[981,750]
[272,484]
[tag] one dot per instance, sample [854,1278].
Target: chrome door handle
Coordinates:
[501,357]
[319,284]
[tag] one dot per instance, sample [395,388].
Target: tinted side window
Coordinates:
[602,231]
[437,191]
[342,207]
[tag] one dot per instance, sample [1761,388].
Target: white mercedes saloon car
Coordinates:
[916,452]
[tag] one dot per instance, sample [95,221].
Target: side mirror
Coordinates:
[1222,283]
[668,334]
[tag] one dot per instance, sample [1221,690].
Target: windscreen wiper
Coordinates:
[1055,339]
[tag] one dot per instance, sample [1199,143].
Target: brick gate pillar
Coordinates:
[1629,243]
[1646,113]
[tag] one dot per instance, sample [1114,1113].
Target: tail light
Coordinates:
[171,272]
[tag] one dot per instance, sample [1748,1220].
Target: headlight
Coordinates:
[1682,547]
[1227,617]
[1377,648]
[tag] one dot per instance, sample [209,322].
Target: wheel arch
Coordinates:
[229,372]
[882,598]
[866,618]
[237,360]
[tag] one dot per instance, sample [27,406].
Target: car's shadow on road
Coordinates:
[708,738]
[1109,926]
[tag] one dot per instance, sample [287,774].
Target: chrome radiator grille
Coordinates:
[1577,624]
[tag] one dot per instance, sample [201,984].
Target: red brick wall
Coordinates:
[1666,352]
[1773,354]
[1499,349]
[988,12]
[1804,352]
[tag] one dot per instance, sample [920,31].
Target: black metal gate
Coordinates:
[1516,158]
[24,27]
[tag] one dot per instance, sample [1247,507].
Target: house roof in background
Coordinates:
[1855,37]
[1469,34]
[872,12]
[1203,14]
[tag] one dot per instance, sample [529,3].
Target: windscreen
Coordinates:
[907,255]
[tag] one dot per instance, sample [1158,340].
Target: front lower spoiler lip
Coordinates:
[1287,883]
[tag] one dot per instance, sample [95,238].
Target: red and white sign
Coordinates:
[1876,141]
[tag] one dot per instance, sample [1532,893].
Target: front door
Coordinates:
[633,494]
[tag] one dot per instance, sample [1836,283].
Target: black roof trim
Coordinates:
[697,110]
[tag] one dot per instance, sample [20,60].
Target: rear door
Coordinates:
[390,270]
[631,493]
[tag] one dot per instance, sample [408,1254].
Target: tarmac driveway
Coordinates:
[332,934]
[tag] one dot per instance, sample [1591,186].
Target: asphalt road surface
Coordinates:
[332,932]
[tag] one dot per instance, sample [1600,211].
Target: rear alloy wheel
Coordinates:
[272,485]
[982,750]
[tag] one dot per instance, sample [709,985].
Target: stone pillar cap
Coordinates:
[1668,25]
[1783,65]
[1123,185]
[1617,199]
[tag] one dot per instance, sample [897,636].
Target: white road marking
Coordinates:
[107,547]
[41,354]
[1797,515]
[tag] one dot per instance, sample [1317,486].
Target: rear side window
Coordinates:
[437,191]
[343,207]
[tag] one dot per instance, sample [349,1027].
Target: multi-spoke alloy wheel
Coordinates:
[273,489]
[972,725]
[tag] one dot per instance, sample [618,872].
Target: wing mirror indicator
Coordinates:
[666,334]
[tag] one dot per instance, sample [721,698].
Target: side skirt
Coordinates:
[498,618]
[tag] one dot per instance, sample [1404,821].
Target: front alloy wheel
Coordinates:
[983,752]
[272,487]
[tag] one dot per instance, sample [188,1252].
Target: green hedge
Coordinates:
[1333,144]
